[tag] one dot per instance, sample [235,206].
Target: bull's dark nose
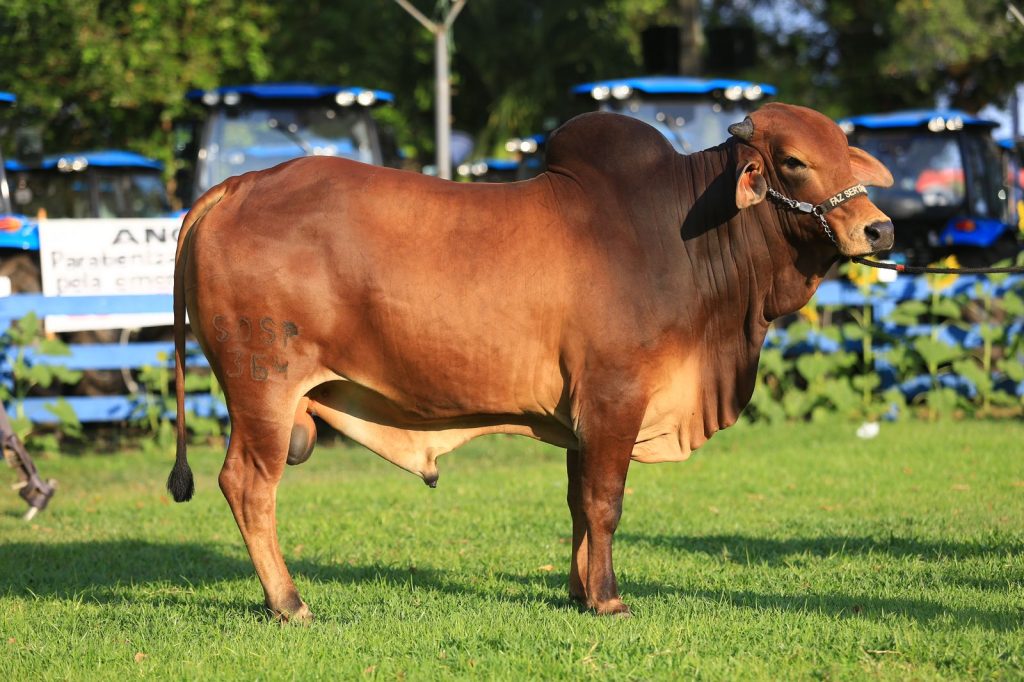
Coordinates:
[880,235]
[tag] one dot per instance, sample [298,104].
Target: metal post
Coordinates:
[442,96]
[442,105]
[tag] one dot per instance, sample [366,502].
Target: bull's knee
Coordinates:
[300,445]
[232,479]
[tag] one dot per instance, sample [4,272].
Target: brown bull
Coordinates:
[615,306]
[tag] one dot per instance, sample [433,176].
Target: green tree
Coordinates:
[853,56]
[116,72]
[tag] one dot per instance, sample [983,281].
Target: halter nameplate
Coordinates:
[840,198]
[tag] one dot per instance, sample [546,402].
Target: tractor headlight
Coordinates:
[621,91]
[72,164]
[753,92]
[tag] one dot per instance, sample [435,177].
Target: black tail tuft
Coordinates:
[180,483]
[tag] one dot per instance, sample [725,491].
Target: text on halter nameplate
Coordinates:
[846,194]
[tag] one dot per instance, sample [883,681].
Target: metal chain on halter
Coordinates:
[805,207]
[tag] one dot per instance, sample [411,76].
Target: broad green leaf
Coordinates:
[866,381]
[909,312]
[969,369]
[991,332]
[948,308]
[798,331]
[1013,368]
[1013,304]
[813,366]
[853,331]
[936,353]
[54,347]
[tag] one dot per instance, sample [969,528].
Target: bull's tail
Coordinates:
[180,483]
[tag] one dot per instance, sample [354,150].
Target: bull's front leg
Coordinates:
[597,481]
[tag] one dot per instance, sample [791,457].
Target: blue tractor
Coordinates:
[525,161]
[950,193]
[17,233]
[253,127]
[692,113]
[96,184]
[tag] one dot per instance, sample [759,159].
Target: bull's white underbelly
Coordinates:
[673,425]
[415,445]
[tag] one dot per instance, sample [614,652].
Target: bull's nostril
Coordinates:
[879,235]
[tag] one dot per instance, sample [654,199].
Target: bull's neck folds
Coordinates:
[761,261]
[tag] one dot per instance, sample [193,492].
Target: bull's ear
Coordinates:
[868,170]
[751,186]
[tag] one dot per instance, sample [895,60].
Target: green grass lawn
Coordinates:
[784,552]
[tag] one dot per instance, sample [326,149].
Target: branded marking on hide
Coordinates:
[267,333]
[243,331]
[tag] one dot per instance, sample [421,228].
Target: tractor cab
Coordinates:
[18,234]
[6,100]
[950,193]
[15,230]
[525,160]
[76,185]
[253,127]
[98,184]
[692,113]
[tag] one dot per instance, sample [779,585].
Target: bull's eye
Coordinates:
[793,163]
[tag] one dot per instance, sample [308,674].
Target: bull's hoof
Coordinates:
[299,616]
[612,607]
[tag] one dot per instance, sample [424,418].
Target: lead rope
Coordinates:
[824,207]
[937,270]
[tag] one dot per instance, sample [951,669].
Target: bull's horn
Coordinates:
[743,130]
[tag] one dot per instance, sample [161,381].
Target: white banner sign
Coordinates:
[100,257]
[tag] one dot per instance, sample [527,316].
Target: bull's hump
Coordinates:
[608,143]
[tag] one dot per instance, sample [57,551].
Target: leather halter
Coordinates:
[821,209]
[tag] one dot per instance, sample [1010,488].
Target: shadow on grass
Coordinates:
[162,574]
[744,549]
[946,556]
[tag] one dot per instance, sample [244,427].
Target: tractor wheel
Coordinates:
[23,271]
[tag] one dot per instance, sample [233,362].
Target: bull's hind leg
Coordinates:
[578,562]
[252,469]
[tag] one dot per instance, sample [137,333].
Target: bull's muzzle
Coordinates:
[880,235]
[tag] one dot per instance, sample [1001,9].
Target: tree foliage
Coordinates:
[115,72]
[854,56]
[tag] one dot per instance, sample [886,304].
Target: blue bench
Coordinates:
[102,356]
